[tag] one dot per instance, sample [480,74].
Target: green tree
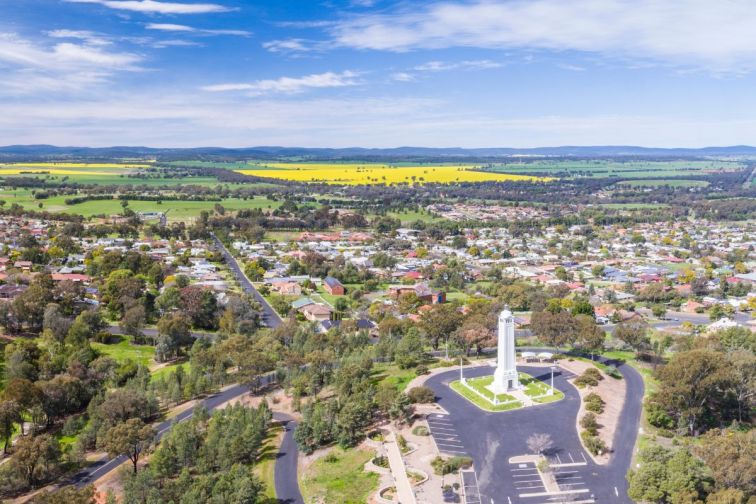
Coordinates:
[10,414]
[35,457]
[129,438]
[691,387]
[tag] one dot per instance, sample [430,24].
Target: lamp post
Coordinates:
[551,392]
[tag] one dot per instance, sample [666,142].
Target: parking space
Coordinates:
[445,435]
[471,492]
[566,459]
[529,487]
[525,479]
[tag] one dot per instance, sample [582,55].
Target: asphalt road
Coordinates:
[106,464]
[285,476]
[492,438]
[287,487]
[269,315]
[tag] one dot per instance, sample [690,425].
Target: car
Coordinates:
[602,320]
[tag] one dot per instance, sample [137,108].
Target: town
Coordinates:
[192,320]
[377,252]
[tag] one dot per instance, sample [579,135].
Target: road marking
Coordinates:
[572,459]
[616,492]
[562,492]
[570,464]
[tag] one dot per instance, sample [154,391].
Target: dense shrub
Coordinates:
[593,443]
[594,403]
[447,466]
[421,430]
[421,395]
[589,378]
[589,423]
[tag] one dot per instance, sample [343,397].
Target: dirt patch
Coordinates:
[612,391]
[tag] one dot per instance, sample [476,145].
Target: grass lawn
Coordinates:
[266,462]
[163,372]
[341,480]
[390,373]
[535,389]
[538,390]
[479,401]
[124,350]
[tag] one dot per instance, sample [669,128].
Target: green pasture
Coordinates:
[613,168]
[177,210]
[664,182]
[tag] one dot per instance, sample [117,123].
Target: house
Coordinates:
[23,265]
[9,291]
[301,303]
[422,291]
[362,324]
[333,286]
[73,277]
[287,288]
[316,312]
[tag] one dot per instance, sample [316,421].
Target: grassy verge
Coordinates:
[265,467]
[339,478]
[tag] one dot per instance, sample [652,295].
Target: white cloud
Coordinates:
[287,45]
[170,27]
[173,118]
[403,77]
[289,85]
[157,7]
[30,67]
[717,36]
[439,66]
[571,68]
[89,37]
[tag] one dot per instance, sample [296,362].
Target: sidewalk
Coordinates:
[404,493]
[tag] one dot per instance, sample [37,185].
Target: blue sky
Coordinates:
[378,73]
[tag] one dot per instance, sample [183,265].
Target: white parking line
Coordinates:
[563,492]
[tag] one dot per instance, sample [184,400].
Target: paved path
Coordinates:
[287,486]
[404,492]
[269,316]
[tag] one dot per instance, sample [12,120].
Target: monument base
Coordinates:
[505,381]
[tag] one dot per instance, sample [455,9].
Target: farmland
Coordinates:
[178,210]
[368,174]
[665,182]
[601,168]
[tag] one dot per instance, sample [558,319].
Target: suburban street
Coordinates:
[269,316]
[491,439]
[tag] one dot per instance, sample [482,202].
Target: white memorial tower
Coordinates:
[505,376]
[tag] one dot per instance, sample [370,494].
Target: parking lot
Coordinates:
[445,436]
[528,487]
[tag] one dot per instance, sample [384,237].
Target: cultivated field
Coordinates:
[365,174]
[601,168]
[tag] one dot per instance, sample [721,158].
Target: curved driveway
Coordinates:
[492,438]
[287,488]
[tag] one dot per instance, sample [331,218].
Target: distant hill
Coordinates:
[266,152]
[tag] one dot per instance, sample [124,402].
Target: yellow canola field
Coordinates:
[354,174]
[93,166]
